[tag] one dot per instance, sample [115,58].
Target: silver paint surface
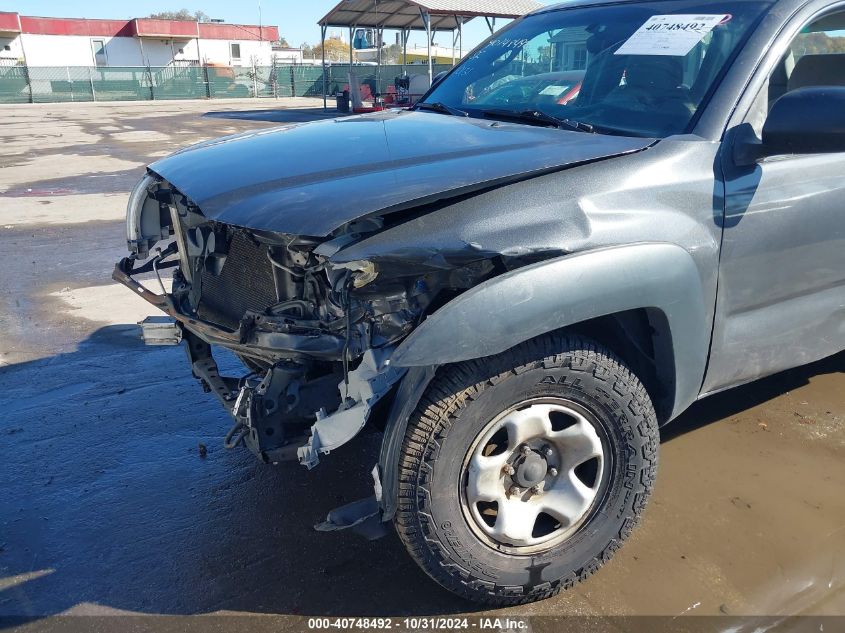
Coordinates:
[310,179]
[764,244]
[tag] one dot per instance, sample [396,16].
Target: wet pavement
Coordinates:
[109,503]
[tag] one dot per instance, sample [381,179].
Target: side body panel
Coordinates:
[781,296]
[547,296]
[782,279]
[633,232]
[663,207]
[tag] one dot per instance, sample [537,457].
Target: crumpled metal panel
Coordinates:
[310,179]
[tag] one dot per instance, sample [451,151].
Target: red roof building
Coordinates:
[45,41]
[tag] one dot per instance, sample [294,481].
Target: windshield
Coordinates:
[548,88]
[639,69]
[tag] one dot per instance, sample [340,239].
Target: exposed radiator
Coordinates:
[245,283]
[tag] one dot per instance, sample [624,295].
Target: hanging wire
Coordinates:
[346,306]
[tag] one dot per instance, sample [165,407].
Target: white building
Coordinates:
[287,55]
[38,41]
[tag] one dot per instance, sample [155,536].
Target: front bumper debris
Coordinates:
[268,407]
[160,330]
[256,339]
[367,385]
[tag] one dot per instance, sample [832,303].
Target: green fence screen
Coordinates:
[53,84]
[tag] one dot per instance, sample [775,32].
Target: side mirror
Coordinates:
[806,121]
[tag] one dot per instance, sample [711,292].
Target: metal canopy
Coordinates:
[417,15]
[446,15]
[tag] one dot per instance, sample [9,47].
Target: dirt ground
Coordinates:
[108,504]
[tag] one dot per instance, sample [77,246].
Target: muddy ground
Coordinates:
[108,505]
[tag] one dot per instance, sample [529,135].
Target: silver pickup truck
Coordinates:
[519,285]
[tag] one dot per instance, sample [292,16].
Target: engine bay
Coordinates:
[314,334]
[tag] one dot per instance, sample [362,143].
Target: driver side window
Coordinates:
[816,57]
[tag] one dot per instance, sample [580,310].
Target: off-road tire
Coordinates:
[464,397]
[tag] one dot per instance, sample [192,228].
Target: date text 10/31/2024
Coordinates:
[419,624]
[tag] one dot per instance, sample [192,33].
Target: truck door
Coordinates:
[781,297]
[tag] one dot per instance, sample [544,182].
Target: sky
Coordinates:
[297,20]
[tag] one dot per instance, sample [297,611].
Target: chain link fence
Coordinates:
[54,84]
[14,84]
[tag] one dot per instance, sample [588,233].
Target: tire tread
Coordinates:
[442,405]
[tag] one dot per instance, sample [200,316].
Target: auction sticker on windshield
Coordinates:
[674,35]
[554,91]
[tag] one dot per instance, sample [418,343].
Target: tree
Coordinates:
[336,50]
[392,54]
[283,42]
[817,44]
[181,15]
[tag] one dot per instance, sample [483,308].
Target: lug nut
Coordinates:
[525,449]
[537,489]
[547,451]
[508,469]
[553,472]
[515,491]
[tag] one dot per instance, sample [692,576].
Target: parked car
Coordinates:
[517,298]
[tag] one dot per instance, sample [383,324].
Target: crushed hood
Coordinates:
[310,179]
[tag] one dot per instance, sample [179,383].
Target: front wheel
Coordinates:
[522,474]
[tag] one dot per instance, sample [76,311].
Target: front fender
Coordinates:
[522,304]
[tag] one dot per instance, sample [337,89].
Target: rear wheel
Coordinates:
[521,474]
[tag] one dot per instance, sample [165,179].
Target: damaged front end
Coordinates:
[316,334]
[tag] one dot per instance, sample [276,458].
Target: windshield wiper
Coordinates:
[538,117]
[437,106]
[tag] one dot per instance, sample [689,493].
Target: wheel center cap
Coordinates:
[530,470]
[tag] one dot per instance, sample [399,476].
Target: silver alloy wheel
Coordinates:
[533,475]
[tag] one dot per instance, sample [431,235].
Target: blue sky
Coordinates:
[297,20]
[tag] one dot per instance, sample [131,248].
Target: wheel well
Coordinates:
[642,339]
